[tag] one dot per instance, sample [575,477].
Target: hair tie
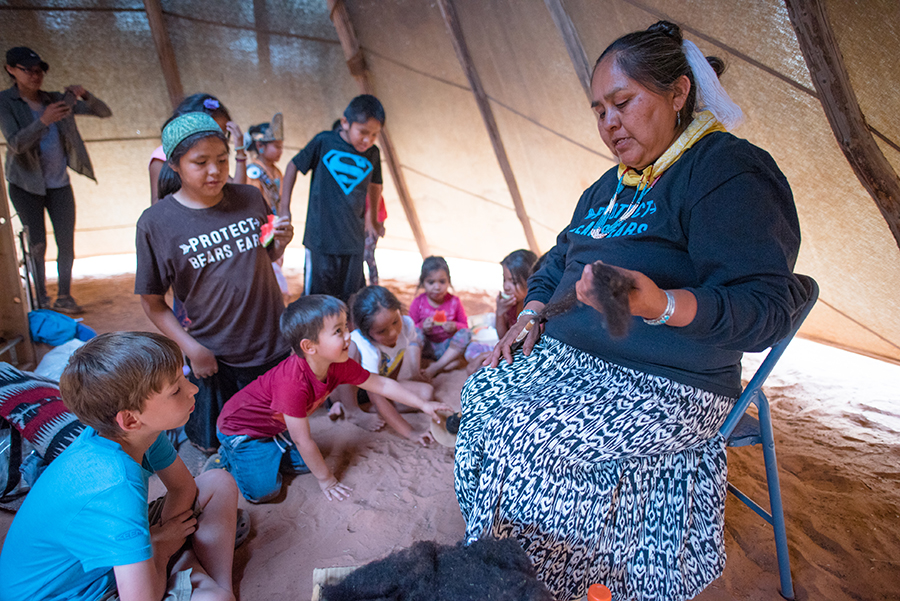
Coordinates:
[711,96]
[211,104]
[186,125]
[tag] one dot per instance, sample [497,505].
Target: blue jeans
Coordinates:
[256,463]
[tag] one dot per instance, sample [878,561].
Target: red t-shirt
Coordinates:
[289,388]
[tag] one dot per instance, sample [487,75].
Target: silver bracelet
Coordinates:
[530,312]
[670,310]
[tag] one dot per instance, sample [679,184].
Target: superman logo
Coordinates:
[348,170]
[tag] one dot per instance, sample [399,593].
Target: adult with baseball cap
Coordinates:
[42,141]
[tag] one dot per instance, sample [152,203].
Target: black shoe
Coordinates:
[67,304]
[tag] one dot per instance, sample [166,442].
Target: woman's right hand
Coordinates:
[203,362]
[55,112]
[504,347]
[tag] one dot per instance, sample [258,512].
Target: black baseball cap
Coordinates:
[24,57]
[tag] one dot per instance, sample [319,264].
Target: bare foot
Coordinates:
[336,412]
[367,421]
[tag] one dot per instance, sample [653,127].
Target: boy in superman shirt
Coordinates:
[264,428]
[346,166]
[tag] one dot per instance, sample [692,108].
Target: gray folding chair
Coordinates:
[742,429]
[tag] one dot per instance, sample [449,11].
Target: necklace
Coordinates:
[639,195]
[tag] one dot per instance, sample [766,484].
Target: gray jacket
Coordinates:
[23,135]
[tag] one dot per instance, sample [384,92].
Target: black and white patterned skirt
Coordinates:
[602,473]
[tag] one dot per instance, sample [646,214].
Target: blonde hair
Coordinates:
[117,372]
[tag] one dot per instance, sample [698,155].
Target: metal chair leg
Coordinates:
[775,505]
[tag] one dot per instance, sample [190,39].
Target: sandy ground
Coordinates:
[837,423]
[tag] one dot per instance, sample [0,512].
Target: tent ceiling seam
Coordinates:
[474,195]
[458,189]
[884,138]
[737,53]
[416,71]
[551,130]
[857,322]
[492,99]
[87,9]
[107,9]
[286,34]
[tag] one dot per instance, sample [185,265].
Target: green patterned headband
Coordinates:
[187,125]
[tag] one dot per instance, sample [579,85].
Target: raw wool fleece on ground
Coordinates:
[838,444]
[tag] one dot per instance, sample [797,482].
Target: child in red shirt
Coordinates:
[264,428]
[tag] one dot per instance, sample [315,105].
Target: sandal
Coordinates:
[243,528]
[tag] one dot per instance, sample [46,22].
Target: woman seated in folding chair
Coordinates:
[601,454]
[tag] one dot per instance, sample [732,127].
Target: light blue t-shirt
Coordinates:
[53,156]
[86,514]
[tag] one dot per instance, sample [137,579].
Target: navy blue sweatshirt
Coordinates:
[721,223]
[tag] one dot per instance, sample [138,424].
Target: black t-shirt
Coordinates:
[721,223]
[216,266]
[335,218]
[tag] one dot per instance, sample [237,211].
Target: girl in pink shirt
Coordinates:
[441,318]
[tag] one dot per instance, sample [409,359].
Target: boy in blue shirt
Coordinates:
[83,532]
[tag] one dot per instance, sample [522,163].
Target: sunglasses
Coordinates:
[31,71]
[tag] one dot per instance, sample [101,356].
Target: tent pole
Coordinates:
[451,19]
[829,74]
[357,64]
[575,48]
[165,51]
[13,305]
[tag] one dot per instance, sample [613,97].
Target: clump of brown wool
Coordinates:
[610,291]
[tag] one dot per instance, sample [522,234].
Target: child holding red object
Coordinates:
[441,317]
[203,241]
[265,429]
[266,143]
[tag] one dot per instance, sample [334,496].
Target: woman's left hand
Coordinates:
[646,300]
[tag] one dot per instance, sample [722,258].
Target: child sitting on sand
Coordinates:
[265,426]
[85,530]
[441,318]
[517,268]
[386,343]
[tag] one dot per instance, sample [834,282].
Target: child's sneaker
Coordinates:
[67,304]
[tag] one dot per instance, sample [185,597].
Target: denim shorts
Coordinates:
[257,463]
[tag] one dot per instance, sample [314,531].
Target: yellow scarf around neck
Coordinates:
[704,123]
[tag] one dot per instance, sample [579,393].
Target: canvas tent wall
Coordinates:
[265,56]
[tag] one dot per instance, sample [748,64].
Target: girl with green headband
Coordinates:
[203,240]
